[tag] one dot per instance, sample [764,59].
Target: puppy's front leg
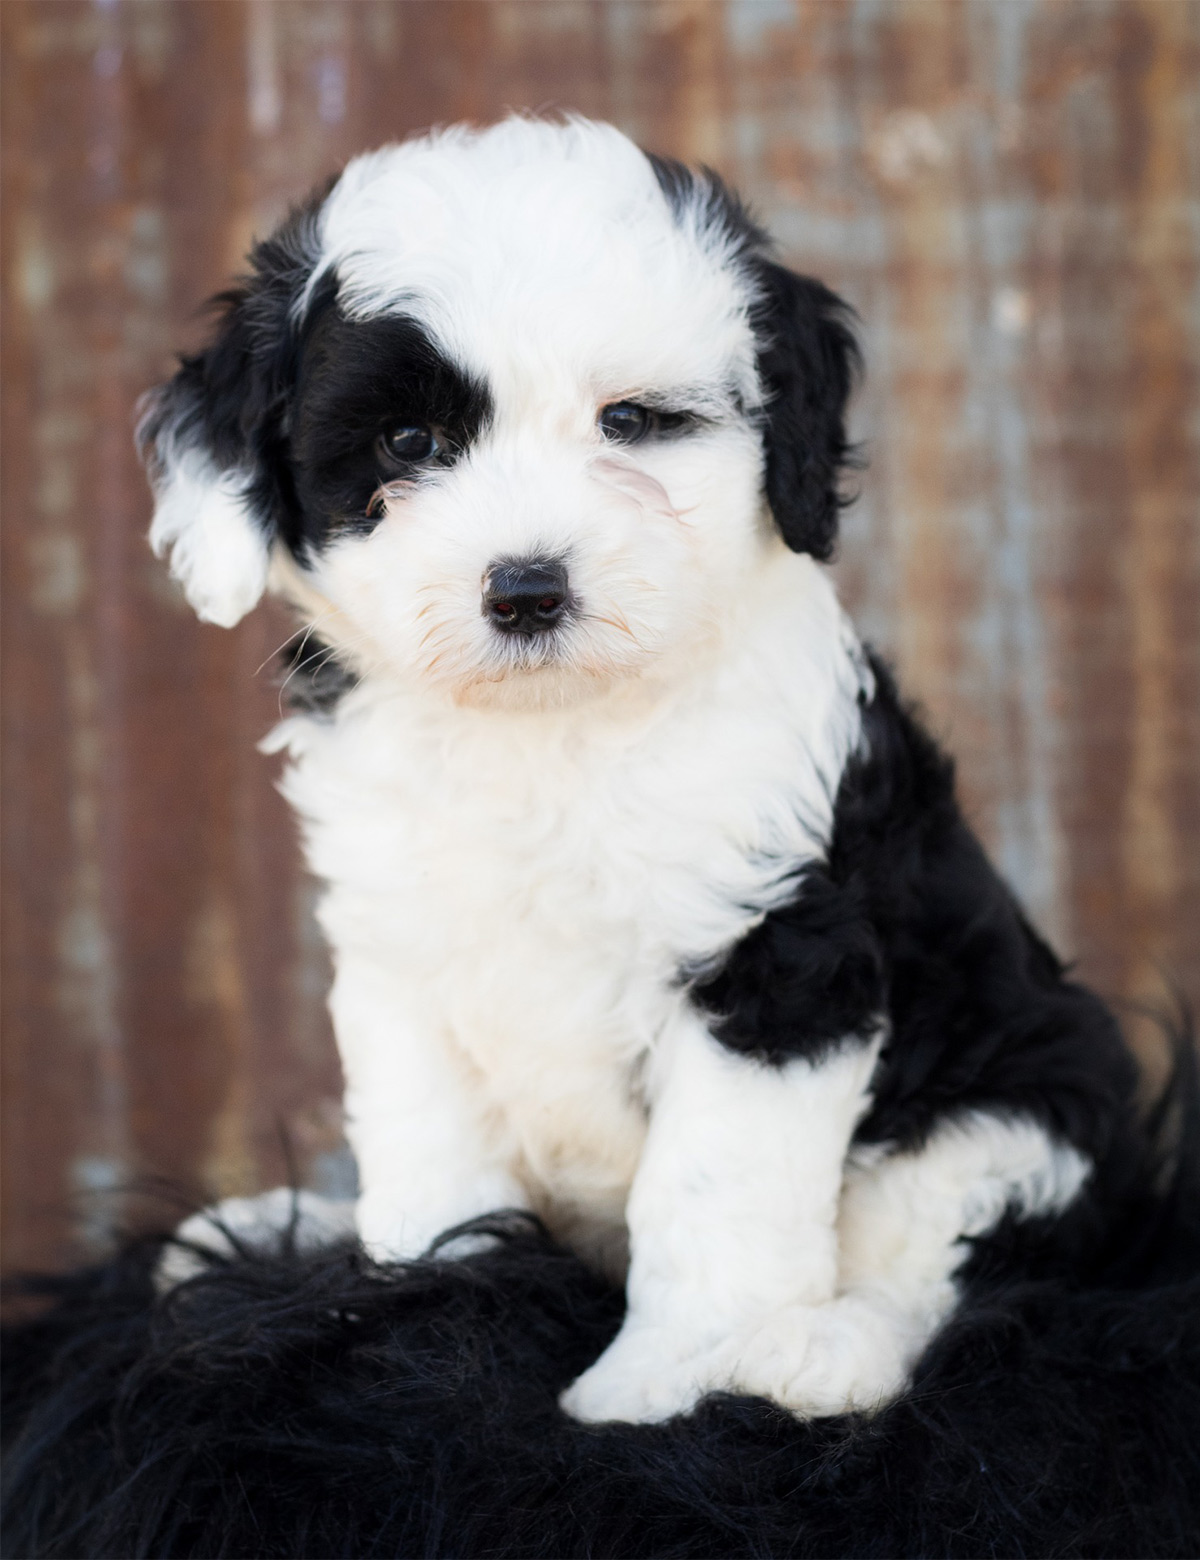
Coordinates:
[430,1152]
[732,1216]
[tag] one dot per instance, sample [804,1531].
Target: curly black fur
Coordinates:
[311,678]
[907,917]
[323,1406]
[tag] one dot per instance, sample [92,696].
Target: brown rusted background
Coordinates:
[1008,190]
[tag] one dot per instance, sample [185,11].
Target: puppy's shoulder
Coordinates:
[904,923]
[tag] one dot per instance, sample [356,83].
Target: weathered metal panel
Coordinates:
[1008,190]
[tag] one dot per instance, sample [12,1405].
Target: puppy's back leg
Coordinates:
[903,1227]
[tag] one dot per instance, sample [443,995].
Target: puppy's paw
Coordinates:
[846,1356]
[849,1355]
[643,1377]
[392,1233]
[301,1219]
[398,1228]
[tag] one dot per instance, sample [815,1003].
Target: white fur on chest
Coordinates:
[535,881]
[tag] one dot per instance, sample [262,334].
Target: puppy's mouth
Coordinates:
[526,652]
[537,640]
[576,659]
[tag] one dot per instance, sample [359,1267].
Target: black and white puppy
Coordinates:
[651,907]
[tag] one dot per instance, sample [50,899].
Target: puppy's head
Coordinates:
[517,413]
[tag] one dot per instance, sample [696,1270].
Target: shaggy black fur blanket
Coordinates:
[323,1406]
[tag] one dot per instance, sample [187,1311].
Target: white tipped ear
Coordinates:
[214,436]
[218,551]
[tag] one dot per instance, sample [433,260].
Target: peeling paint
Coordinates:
[1012,310]
[905,144]
[35,273]
[56,571]
[329,74]
[98,1184]
[265,104]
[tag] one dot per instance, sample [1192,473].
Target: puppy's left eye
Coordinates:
[410,445]
[625,422]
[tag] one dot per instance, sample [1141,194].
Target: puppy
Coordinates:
[651,907]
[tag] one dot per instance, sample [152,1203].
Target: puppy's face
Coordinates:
[520,414]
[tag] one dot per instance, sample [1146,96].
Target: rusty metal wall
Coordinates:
[1008,190]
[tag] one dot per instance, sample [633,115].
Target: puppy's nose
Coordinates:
[525,598]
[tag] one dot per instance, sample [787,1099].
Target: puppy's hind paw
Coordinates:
[274,1221]
[847,1356]
[639,1379]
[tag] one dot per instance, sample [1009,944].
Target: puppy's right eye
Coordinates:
[625,422]
[410,444]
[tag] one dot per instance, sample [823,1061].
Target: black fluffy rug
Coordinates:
[323,1406]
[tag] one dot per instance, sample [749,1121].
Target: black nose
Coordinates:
[525,598]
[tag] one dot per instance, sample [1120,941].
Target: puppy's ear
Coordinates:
[215,437]
[198,452]
[808,362]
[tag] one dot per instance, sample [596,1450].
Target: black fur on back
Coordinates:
[322,1406]
[357,380]
[907,917]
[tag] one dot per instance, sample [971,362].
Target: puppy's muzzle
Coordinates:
[525,597]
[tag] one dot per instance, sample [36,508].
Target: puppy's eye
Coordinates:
[410,444]
[625,422]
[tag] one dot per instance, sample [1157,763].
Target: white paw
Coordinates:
[392,1234]
[262,1223]
[847,1355]
[643,1377]
[395,1231]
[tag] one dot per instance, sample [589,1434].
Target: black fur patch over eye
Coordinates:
[411,444]
[377,402]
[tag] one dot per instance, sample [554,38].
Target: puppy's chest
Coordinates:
[543,902]
[537,901]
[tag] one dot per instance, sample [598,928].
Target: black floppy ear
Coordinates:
[214,437]
[808,362]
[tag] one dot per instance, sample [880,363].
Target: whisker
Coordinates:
[305,631]
[359,643]
[308,666]
[599,617]
[438,628]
